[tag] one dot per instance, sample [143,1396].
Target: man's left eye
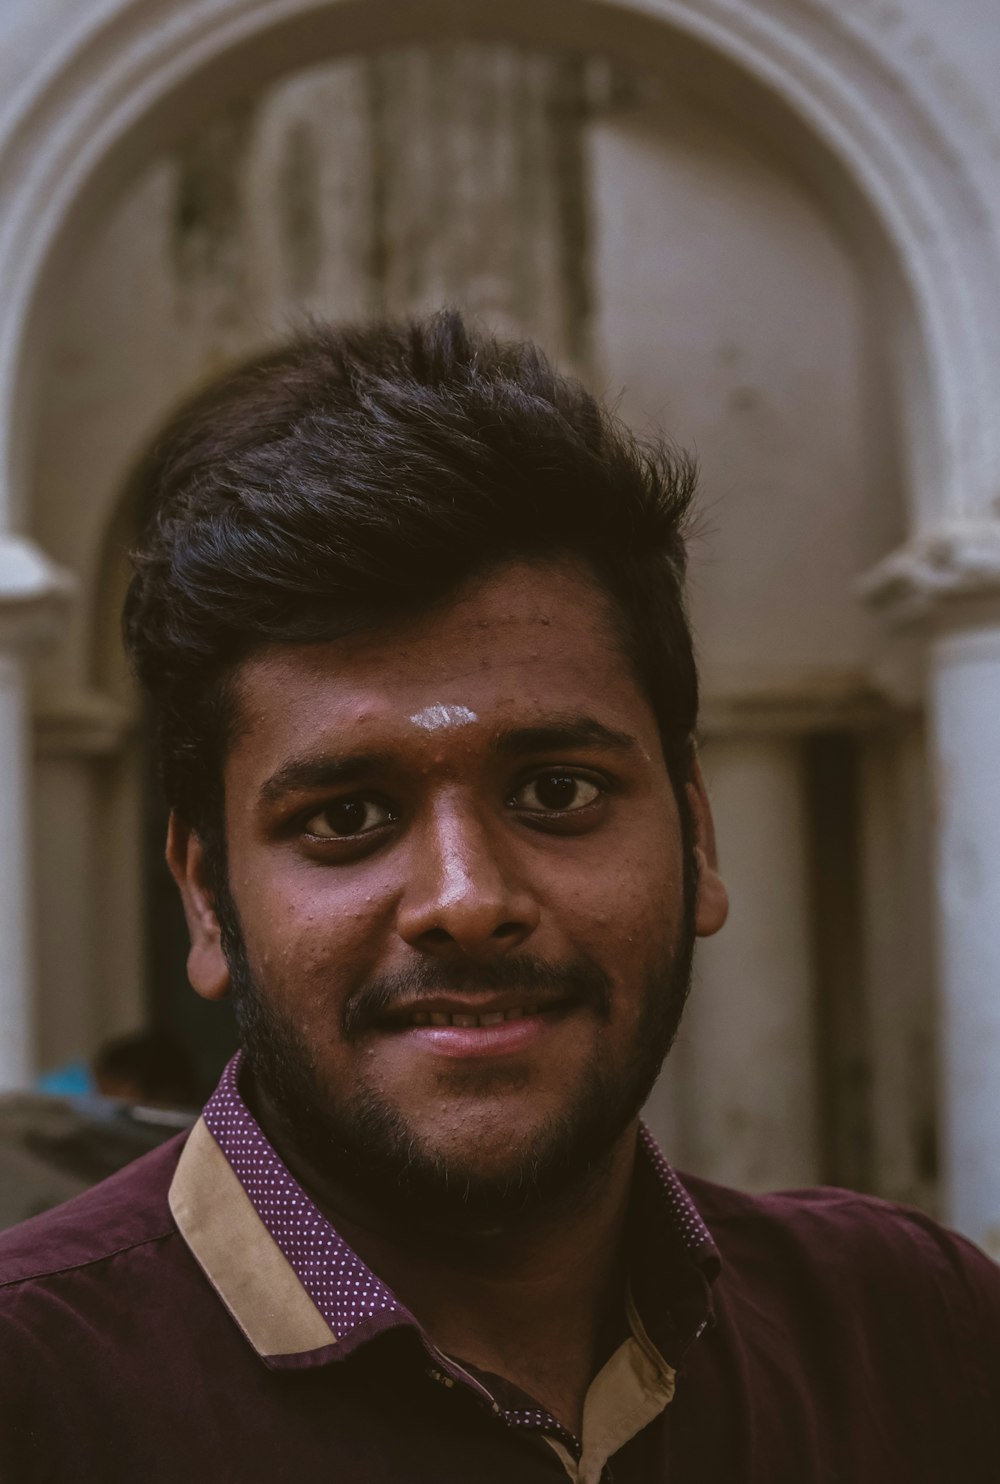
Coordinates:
[556,793]
[348,817]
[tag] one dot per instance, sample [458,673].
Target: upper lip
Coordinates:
[483,1003]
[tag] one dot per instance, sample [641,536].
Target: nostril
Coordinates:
[506,930]
[436,936]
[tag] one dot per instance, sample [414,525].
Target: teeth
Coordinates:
[464,1020]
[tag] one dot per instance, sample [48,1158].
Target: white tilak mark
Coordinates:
[433,717]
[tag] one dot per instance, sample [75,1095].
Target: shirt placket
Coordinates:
[448,1373]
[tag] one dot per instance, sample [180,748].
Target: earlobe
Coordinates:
[712,901]
[208,971]
[712,905]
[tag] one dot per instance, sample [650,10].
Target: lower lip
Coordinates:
[480,1040]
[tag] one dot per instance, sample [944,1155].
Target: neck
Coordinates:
[536,1298]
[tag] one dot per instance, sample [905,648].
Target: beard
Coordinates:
[365,1146]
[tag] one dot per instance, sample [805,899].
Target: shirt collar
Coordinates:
[303,1297]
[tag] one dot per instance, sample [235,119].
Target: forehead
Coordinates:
[527,640]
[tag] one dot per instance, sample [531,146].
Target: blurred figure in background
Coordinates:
[148,1067]
[82,1123]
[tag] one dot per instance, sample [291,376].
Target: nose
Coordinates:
[465,895]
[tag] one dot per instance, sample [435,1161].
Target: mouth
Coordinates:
[491,1028]
[466,1019]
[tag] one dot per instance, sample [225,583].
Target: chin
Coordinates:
[502,1164]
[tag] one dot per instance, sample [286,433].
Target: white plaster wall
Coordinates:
[732,311]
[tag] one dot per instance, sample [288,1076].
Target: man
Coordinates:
[411,614]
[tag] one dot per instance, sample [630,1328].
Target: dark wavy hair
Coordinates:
[362,473]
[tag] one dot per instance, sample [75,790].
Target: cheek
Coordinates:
[307,939]
[631,924]
[640,890]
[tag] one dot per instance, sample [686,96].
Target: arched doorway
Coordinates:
[765,85]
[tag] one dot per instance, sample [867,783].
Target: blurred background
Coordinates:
[767,229]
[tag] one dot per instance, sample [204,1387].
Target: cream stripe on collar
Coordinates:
[241,1260]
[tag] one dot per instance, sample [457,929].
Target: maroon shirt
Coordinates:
[195,1317]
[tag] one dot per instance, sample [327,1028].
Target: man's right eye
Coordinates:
[348,818]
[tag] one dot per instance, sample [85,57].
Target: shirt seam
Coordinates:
[88,1262]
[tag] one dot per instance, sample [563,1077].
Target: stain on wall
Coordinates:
[394,183]
[207,219]
[297,189]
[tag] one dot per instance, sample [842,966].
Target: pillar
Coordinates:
[745,1098]
[899,951]
[965,729]
[30,593]
[16,977]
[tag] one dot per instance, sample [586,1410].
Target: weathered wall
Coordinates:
[795,274]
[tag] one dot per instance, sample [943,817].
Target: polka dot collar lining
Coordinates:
[343,1288]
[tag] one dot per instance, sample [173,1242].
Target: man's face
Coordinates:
[460,936]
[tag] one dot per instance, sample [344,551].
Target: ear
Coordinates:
[206,965]
[712,900]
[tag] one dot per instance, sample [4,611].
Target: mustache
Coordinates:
[581,980]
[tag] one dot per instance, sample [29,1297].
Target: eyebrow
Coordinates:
[568,731]
[301,775]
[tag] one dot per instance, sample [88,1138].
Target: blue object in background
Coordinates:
[72,1081]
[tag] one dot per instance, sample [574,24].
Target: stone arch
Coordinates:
[123,83]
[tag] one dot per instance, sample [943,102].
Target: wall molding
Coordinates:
[34,593]
[950,572]
[81,724]
[801,707]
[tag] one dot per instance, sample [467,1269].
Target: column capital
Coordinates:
[81,724]
[947,573]
[33,593]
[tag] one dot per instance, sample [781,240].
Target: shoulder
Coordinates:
[83,1285]
[83,1289]
[838,1231]
[123,1212]
[832,1261]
